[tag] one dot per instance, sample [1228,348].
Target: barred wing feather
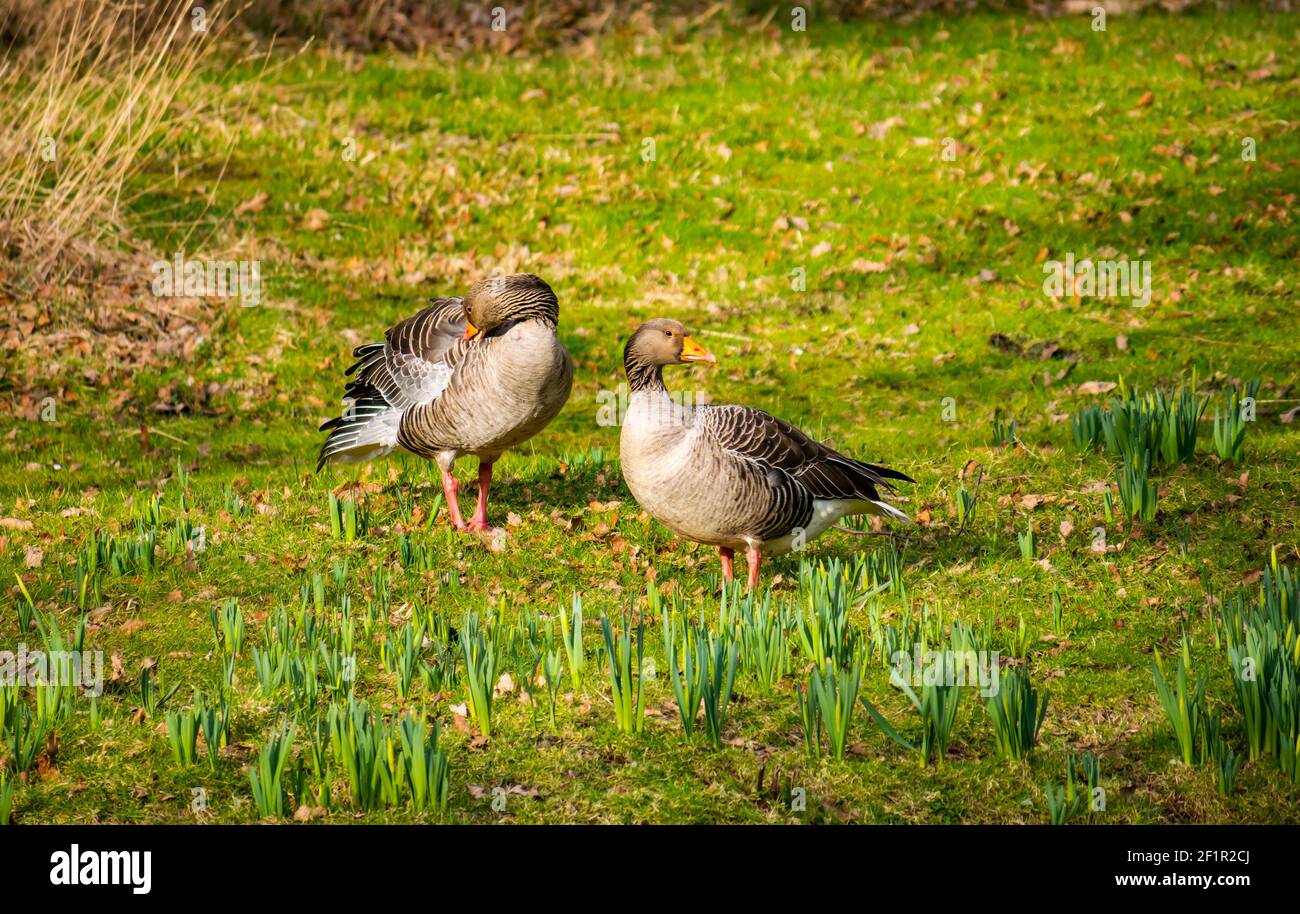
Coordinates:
[761,438]
[412,367]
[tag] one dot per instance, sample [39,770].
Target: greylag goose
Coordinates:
[733,477]
[472,376]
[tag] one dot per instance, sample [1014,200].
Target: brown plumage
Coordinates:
[733,477]
[475,376]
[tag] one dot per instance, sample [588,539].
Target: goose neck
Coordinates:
[645,377]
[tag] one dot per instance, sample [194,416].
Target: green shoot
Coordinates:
[625,687]
[683,648]
[719,675]
[835,692]
[480,657]
[427,768]
[266,776]
[183,732]
[1028,542]
[1184,703]
[1017,714]
[1137,491]
[571,636]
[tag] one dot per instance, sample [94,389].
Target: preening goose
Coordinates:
[733,477]
[475,376]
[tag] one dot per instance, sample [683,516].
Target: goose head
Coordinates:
[517,297]
[658,343]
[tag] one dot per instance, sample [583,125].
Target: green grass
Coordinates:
[469,164]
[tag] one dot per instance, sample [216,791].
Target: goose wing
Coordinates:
[415,362]
[791,457]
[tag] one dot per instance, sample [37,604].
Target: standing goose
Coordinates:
[476,376]
[733,477]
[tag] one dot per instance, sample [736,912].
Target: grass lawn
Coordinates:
[855,220]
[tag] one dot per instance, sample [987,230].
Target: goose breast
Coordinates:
[505,390]
[676,471]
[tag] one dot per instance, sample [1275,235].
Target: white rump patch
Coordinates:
[826,513]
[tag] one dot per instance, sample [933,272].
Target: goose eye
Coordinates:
[668,333]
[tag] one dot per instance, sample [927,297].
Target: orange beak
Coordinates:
[470,330]
[694,352]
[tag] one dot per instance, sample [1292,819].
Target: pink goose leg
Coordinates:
[479,520]
[726,554]
[755,558]
[450,488]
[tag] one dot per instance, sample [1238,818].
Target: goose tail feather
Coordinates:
[884,509]
[366,430]
[887,473]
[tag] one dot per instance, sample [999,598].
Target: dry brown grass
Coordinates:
[86,91]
